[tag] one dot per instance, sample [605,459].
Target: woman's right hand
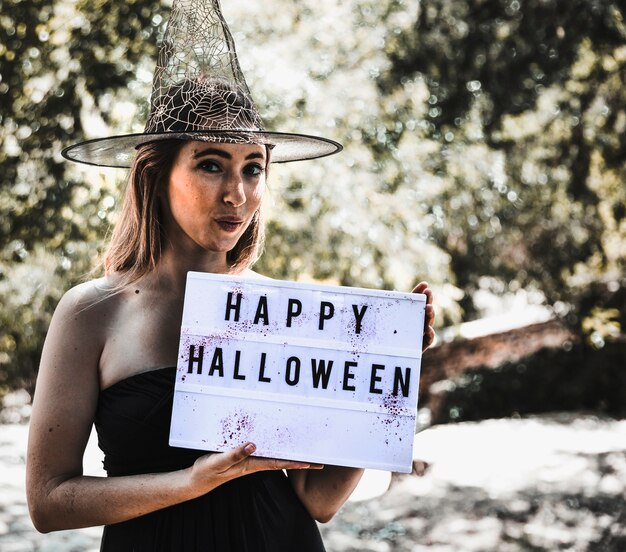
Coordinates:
[214,469]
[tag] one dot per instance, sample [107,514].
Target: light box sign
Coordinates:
[307,372]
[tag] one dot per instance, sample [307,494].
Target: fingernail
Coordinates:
[249,448]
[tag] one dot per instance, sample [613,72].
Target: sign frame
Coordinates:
[313,372]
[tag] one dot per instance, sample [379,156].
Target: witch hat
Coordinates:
[199,93]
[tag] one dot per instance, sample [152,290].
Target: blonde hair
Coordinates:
[137,239]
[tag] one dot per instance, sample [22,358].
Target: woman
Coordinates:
[205,199]
[193,203]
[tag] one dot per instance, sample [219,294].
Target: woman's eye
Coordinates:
[253,170]
[209,166]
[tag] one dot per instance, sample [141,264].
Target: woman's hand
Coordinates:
[215,469]
[429,318]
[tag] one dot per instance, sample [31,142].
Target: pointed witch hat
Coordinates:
[199,93]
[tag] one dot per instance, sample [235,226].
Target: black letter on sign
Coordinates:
[230,306]
[261,311]
[358,317]
[237,375]
[293,312]
[262,376]
[195,358]
[374,378]
[217,364]
[347,375]
[290,362]
[327,311]
[321,372]
[403,382]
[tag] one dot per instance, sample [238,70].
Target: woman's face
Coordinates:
[212,194]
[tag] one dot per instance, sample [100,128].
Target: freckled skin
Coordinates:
[205,187]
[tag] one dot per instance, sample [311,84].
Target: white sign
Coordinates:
[307,372]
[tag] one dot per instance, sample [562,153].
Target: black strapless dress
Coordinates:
[258,512]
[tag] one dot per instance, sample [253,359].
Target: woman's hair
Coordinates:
[137,239]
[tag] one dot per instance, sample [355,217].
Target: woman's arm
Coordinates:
[324,492]
[59,495]
[71,500]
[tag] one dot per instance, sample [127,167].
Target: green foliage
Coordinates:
[62,64]
[510,50]
[527,102]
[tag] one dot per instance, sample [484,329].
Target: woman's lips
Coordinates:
[229,225]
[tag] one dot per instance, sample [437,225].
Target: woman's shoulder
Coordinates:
[92,298]
[82,317]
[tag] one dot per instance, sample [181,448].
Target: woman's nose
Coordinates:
[234,193]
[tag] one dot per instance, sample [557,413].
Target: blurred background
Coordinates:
[485,146]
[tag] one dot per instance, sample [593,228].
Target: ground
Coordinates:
[539,483]
[542,483]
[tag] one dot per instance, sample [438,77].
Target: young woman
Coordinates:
[190,205]
[193,202]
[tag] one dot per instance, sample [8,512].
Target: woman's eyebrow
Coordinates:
[256,155]
[225,154]
[212,151]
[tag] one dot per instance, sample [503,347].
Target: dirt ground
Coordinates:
[539,483]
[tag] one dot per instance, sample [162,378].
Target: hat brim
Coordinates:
[119,151]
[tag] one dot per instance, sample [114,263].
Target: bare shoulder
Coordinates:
[83,316]
[89,300]
[90,293]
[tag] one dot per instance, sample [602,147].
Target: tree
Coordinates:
[526,102]
[62,67]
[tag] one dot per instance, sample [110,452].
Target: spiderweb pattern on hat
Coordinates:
[198,83]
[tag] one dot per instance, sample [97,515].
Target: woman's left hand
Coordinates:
[429,318]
